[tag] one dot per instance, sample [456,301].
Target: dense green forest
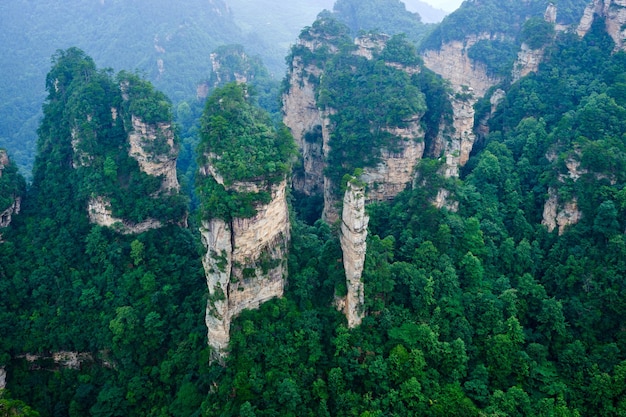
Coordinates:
[478,311]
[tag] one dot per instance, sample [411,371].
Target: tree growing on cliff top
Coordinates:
[240,143]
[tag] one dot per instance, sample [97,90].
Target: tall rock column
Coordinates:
[353,238]
[245,219]
[245,264]
[216,237]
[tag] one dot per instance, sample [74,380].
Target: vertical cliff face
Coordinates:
[153,147]
[304,119]
[316,122]
[245,218]
[245,264]
[353,237]
[307,122]
[614,13]
[470,81]
[559,213]
[528,61]
[396,168]
[452,62]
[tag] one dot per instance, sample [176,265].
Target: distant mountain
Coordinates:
[270,30]
[168,43]
[428,13]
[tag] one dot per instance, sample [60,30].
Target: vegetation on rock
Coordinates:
[241,145]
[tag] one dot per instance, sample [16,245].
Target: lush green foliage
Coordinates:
[505,17]
[127,305]
[498,56]
[537,32]
[368,98]
[11,184]
[79,129]
[477,312]
[241,145]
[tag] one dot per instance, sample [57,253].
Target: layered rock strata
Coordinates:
[353,238]
[244,264]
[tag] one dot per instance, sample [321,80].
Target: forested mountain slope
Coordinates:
[168,42]
[493,281]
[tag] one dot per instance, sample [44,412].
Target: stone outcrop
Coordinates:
[528,61]
[245,264]
[453,64]
[470,81]
[367,46]
[304,119]
[614,13]
[100,213]
[312,130]
[7,214]
[353,237]
[561,214]
[396,169]
[152,146]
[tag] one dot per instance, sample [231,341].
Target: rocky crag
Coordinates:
[245,218]
[244,264]
[118,146]
[614,13]
[314,125]
[353,238]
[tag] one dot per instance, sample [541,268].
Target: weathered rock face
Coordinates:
[528,61]
[312,130]
[396,169]
[100,213]
[470,81]
[353,237]
[614,13]
[368,45]
[457,149]
[561,214]
[244,264]
[453,64]
[152,146]
[302,116]
[4,160]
